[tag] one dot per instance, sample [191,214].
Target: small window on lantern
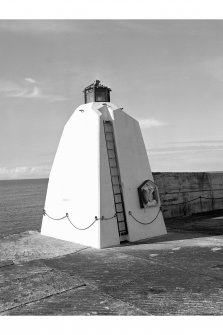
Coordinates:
[100,95]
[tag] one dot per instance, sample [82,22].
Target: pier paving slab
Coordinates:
[16,272]
[205,261]
[210,223]
[31,245]
[177,274]
[154,288]
[202,255]
[20,291]
[86,300]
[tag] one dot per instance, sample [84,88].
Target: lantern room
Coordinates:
[96,92]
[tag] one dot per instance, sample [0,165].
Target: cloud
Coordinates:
[31,80]
[35,93]
[187,147]
[21,172]
[27,89]
[149,123]
[8,87]
[187,157]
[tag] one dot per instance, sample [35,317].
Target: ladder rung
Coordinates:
[114,171]
[109,137]
[116,189]
[120,216]
[110,145]
[122,226]
[112,162]
[115,180]
[118,198]
[111,153]
[119,208]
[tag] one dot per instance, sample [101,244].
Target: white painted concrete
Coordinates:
[134,169]
[80,181]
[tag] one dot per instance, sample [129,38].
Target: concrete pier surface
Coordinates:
[180,273]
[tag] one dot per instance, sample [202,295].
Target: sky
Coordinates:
[168,74]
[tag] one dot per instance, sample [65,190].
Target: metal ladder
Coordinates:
[115,179]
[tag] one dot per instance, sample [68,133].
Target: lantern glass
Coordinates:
[100,95]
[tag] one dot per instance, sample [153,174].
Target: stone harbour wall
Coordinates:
[186,193]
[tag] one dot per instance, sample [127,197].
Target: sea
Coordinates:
[21,205]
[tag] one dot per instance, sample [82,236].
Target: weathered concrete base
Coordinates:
[177,274]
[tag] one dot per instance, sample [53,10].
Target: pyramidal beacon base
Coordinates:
[101,190]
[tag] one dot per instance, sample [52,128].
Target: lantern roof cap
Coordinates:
[96,84]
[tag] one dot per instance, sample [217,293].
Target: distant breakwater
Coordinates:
[187,193]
